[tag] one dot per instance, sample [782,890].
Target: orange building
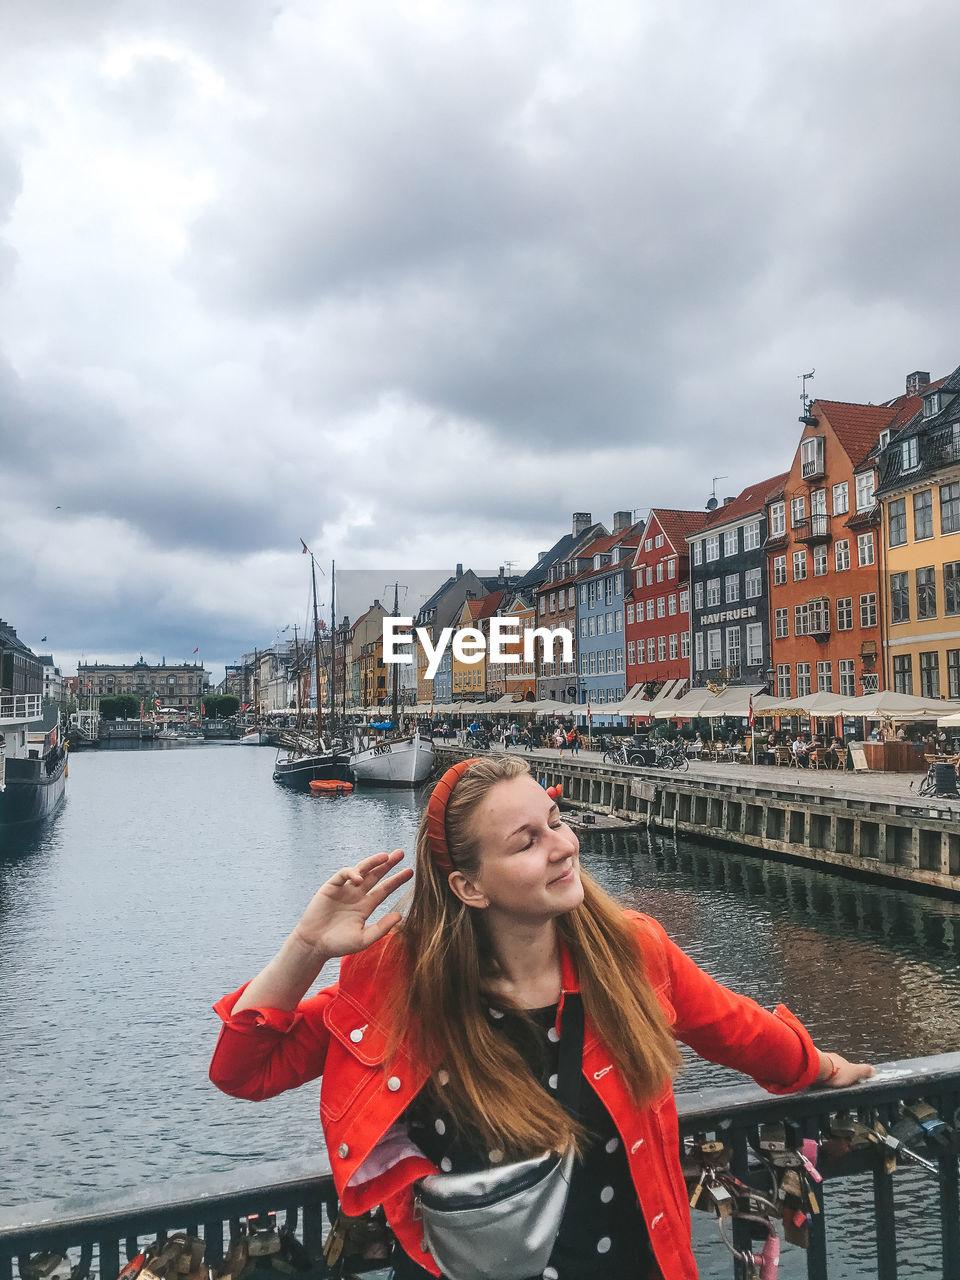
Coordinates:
[823,555]
[470,679]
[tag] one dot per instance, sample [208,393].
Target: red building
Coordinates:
[658,599]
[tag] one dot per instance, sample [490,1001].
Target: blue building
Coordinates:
[601,646]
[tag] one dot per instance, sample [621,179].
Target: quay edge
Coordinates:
[913,843]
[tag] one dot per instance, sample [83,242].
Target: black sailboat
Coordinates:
[307,756]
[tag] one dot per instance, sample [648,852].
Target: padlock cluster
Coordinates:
[357,1242]
[789,1169]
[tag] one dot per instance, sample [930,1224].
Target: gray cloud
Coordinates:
[415,285]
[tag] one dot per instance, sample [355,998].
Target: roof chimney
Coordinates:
[459,570]
[582,520]
[622,520]
[916,382]
[727,501]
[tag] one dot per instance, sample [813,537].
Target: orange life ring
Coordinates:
[330,786]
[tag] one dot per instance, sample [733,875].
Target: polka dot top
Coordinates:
[603,1235]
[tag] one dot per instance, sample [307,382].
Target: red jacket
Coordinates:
[340,1033]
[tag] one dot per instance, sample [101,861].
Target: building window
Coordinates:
[930,675]
[611,621]
[649,574]
[730,546]
[661,648]
[779,570]
[923,514]
[658,540]
[698,651]
[731,588]
[953,673]
[672,567]
[672,606]
[661,606]
[571,597]
[619,660]
[778,519]
[951,587]
[803,679]
[841,499]
[631,653]
[685,600]
[650,608]
[629,615]
[583,628]
[801,619]
[781,618]
[651,649]
[819,561]
[865,491]
[949,508]
[799,565]
[618,619]
[751,536]
[553,602]
[593,663]
[733,650]
[673,646]
[698,553]
[798,511]
[865,549]
[685,644]
[752,584]
[713,547]
[601,662]
[848,678]
[899,597]
[754,644]
[714,656]
[648,545]
[783,680]
[910,454]
[825,677]
[841,554]
[698,595]
[931,404]
[903,673]
[868,609]
[592,625]
[713,592]
[926,593]
[618,584]
[897,522]
[845,614]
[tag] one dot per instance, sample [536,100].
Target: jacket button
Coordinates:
[343,1151]
[356,1035]
[393,1084]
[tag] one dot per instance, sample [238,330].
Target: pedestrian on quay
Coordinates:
[573,741]
[516,1009]
[559,738]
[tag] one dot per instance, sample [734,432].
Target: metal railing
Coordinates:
[20,706]
[104,1238]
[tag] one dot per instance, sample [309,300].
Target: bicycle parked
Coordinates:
[672,755]
[623,755]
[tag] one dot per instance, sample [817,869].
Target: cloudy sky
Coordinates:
[415,281]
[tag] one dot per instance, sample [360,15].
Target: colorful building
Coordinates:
[554,583]
[919,493]
[728,583]
[600,588]
[470,678]
[823,555]
[657,626]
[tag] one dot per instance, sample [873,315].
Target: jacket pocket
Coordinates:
[354,1065]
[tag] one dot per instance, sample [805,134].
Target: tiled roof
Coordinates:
[856,426]
[487,606]
[753,499]
[678,525]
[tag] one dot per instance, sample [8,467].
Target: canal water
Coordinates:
[172,874]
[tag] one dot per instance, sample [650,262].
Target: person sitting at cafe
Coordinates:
[800,750]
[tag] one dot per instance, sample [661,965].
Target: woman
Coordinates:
[439,1046]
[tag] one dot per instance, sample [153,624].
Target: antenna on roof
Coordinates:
[712,502]
[804,398]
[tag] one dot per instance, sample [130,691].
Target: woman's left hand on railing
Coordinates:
[837,1073]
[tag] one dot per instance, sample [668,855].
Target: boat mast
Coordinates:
[394,698]
[316,651]
[333,641]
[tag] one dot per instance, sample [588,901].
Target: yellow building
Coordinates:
[919,492]
[470,679]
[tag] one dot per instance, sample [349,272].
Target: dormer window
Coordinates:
[931,404]
[910,454]
[597,561]
[884,437]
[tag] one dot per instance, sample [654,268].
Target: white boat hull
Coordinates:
[406,763]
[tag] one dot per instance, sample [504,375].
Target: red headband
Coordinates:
[437,814]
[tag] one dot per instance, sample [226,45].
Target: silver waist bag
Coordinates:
[498,1224]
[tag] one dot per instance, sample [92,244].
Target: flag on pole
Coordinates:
[42,639]
[141,708]
[306,549]
[750,717]
[197,649]
[589,712]
[203,709]
[156,703]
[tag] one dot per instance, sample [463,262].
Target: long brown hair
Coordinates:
[490,1089]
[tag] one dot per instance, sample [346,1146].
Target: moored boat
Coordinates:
[33,760]
[398,762]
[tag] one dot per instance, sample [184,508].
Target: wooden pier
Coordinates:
[892,836]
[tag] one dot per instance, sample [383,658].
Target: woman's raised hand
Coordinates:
[335,922]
